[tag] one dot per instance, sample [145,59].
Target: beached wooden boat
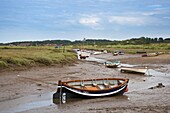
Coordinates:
[90,88]
[150,55]
[140,52]
[118,53]
[97,53]
[134,70]
[84,55]
[112,64]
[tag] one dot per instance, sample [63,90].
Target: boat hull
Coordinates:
[66,95]
[84,55]
[112,64]
[134,70]
[91,88]
[63,93]
[150,55]
[88,94]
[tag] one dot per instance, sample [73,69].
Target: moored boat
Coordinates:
[112,64]
[134,70]
[150,55]
[84,55]
[90,88]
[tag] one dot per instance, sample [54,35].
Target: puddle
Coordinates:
[152,78]
[26,103]
[154,73]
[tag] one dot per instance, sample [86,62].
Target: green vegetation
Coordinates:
[15,56]
[132,49]
[51,52]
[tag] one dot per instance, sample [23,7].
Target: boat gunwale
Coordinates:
[125,81]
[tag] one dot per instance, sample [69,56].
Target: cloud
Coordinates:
[105,0]
[92,22]
[166,18]
[155,5]
[124,20]
[150,13]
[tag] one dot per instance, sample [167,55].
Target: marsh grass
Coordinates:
[16,61]
[3,64]
[16,56]
[34,56]
[131,49]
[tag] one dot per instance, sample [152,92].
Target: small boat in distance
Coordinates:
[84,55]
[150,54]
[90,88]
[112,64]
[117,52]
[134,70]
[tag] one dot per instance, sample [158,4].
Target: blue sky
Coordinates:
[28,20]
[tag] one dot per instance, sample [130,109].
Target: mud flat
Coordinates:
[30,91]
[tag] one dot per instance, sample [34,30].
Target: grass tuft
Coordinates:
[43,60]
[3,64]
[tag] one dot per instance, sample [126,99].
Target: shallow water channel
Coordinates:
[26,103]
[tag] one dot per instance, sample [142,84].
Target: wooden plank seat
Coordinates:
[95,85]
[92,88]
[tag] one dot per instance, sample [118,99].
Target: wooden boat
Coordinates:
[90,88]
[112,64]
[150,55]
[140,52]
[84,55]
[134,70]
[97,53]
[118,53]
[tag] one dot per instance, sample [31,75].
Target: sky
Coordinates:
[36,20]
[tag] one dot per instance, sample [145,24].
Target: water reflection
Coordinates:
[26,103]
[96,60]
[78,104]
[80,101]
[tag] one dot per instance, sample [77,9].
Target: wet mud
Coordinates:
[31,91]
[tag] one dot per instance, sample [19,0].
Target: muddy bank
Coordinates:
[137,58]
[23,89]
[141,101]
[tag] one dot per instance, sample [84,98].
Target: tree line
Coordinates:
[132,41]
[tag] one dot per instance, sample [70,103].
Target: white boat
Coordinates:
[97,53]
[84,55]
[150,55]
[134,70]
[112,64]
